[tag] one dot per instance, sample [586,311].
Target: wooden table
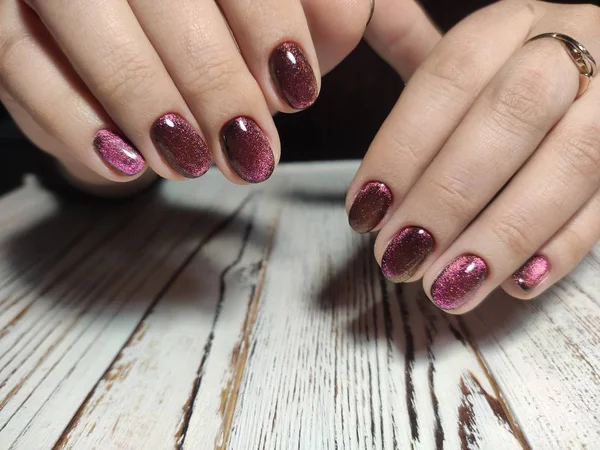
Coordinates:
[209,316]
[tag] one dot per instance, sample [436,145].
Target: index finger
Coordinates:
[437,97]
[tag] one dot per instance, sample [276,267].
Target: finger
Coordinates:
[554,184]
[106,46]
[196,46]
[281,56]
[500,132]
[402,34]
[336,28]
[438,96]
[51,104]
[560,255]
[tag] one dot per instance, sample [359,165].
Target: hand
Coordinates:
[487,172]
[109,87]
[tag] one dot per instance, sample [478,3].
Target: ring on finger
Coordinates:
[585,62]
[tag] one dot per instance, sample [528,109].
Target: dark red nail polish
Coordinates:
[118,153]
[459,281]
[248,150]
[293,76]
[181,145]
[405,253]
[532,273]
[369,207]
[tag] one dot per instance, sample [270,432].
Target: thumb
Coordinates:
[402,34]
[336,27]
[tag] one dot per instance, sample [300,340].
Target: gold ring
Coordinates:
[585,62]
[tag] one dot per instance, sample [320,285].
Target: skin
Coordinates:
[70,69]
[512,168]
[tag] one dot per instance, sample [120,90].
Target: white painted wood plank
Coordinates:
[545,356]
[166,355]
[313,351]
[325,369]
[65,386]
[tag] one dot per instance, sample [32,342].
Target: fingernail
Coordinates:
[370,206]
[181,145]
[293,76]
[118,153]
[248,150]
[459,281]
[532,273]
[405,253]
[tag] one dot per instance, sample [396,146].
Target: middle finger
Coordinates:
[502,129]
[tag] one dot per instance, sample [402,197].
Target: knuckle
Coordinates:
[217,73]
[407,149]
[9,48]
[581,153]
[128,75]
[455,195]
[512,231]
[575,243]
[522,103]
[456,66]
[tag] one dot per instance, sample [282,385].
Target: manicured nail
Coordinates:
[369,207]
[532,273]
[459,281]
[293,76]
[405,253]
[118,153]
[181,145]
[248,150]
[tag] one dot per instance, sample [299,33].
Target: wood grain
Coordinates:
[210,316]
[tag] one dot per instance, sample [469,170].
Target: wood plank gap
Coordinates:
[62,441]
[232,395]
[188,409]
[512,420]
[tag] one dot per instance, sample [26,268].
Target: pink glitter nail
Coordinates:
[248,150]
[118,153]
[293,76]
[405,253]
[459,281]
[532,273]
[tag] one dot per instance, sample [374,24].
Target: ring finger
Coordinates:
[554,184]
[500,132]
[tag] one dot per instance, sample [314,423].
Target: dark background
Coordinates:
[355,100]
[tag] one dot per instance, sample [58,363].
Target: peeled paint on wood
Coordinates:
[210,316]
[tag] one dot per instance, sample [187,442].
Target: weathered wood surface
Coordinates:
[208,316]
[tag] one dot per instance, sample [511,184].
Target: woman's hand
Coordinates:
[111,86]
[487,172]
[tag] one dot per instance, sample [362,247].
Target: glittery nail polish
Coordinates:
[248,150]
[459,281]
[532,273]
[181,145]
[405,253]
[369,207]
[119,154]
[293,76]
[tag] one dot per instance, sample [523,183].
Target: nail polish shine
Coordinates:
[118,153]
[248,150]
[293,76]
[370,206]
[181,145]
[532,273]
[405,253]
[459,281]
